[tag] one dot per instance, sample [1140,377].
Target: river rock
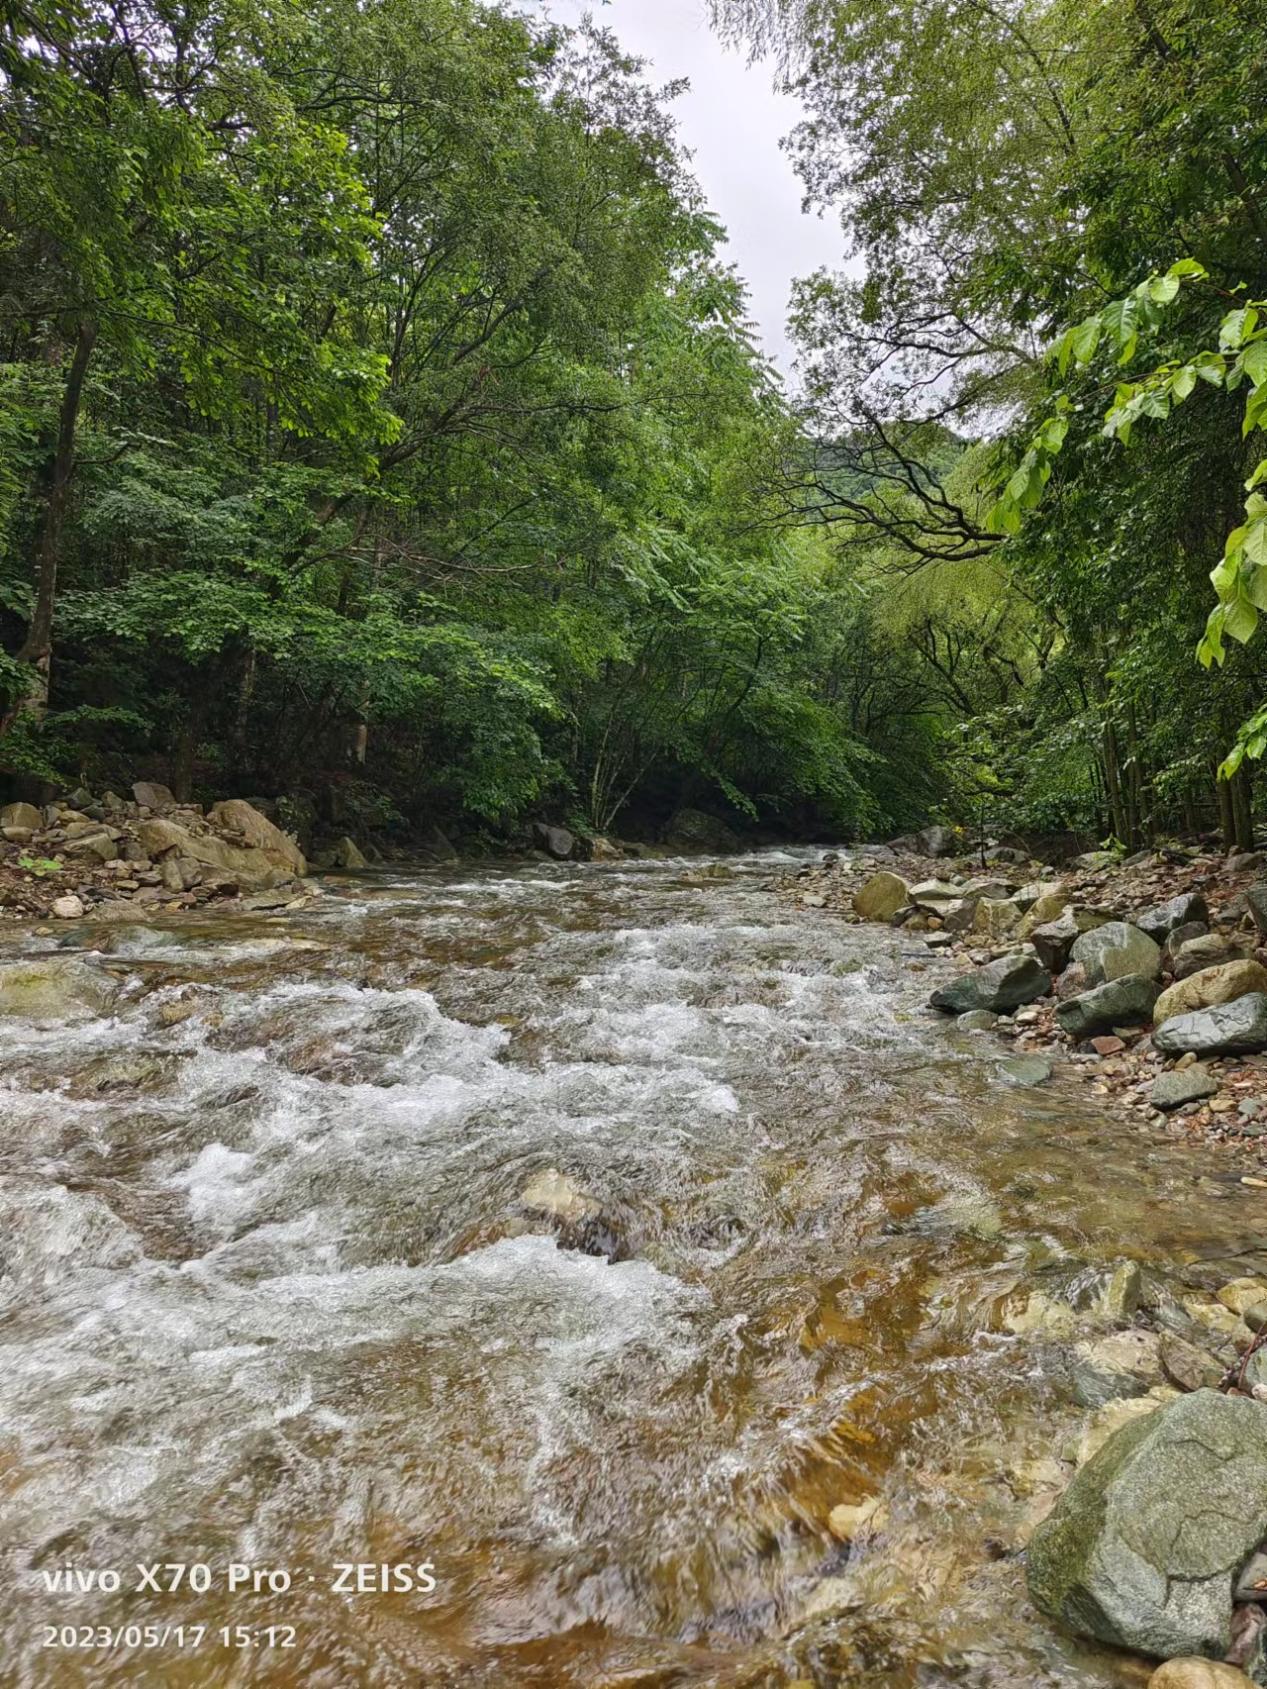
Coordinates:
[255,868]
[693,829]
[1162,920]
[1190,1672]
[1126,1363]
[558,1195]
[1231,1029]
[60,988]
[999,986]
[1178,938]
[1024,1070]
[151,795]
[68,908]
[344,854]
[1127,1001]
[933,895]
[95,846]
[1210,950]
[881,897]
[936,841]
[235,815]
[1255,898]
[978,1020]
[995,917]
[23,815]
[557,842]
[1053,940]
[1182,1085]
[1114,949]
[1209,988]
[1143,1548]
[1186,1365]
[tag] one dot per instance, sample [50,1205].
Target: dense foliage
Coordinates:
[1054,213]
[379,422]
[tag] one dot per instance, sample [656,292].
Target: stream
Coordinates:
[271,1295]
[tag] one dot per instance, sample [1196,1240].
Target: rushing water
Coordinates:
[271,1295]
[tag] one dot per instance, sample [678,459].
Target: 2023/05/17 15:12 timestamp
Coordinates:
[134,1638]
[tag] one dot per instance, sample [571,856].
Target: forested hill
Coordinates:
[380,426]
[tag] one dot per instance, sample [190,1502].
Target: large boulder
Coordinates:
[1162,920]
[1209,988]
[24,815]
[1000,986]
[1238,1028]
[1127,1001]
[557,842]
[235,815]
[255,869]
[1115,949]
[692,829]
[60,988]
[1144,1547]
[881,897]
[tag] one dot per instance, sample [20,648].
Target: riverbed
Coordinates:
[273,1296]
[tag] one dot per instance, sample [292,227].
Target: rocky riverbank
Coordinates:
[1186,933]
[109,858]
[1147,979]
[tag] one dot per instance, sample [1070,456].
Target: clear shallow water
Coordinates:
[269,1293]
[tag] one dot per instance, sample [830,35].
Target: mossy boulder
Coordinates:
[1143,1549]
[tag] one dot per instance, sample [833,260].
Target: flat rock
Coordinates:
[978,1020]
[1237,1028]
[1024,1070]
[1182,1085]
[1143,1548]
[1125,1001]
[1186,1365]
[59,989]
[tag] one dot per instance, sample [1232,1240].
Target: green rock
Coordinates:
[1127,1001]
[61,988]
[1001,986]
[1143,1548]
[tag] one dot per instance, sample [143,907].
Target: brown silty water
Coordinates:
[273,1298]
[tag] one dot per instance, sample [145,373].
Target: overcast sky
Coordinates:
[731,120]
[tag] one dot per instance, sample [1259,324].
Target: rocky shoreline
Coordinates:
[111,858]
[1146,980]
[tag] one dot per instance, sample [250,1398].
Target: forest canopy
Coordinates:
[380,416]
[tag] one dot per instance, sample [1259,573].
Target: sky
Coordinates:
[731,121]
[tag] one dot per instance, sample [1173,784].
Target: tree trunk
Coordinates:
[37,649]
[1242,808]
